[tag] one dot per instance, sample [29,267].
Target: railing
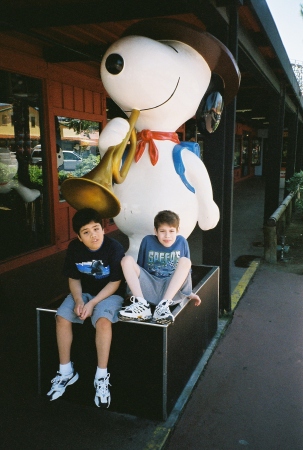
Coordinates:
[276,226]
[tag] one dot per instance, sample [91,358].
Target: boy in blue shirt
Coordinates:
[93,268]
[162,274]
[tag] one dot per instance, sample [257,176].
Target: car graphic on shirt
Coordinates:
[162,264]
[94,268]
[162,270]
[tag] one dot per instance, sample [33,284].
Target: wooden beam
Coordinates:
[14,17]
[60,53]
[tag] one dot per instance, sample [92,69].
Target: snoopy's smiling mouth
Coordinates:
[163,103]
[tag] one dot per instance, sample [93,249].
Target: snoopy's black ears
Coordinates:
[209,112]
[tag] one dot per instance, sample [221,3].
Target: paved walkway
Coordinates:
[251,392]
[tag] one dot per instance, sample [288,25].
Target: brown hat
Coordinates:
[218,57]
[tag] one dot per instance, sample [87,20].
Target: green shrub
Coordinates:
[296,183]
[82,168]
[6,173]
[86,165]
[63,174]
[35,175]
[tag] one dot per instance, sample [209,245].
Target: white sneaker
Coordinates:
[162,312]
[60,383]
[138,310]
[102,396]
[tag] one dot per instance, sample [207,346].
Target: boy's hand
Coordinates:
[79,308]
[195,297]
[87,310]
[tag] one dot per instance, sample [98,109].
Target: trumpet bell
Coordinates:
[84,193]
[94,190]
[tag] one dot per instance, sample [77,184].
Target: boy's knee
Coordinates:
[62,323]
[127,260]
[103,323]
[185,261]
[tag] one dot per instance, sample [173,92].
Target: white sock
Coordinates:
[100,373]
[142,300]
[65,369]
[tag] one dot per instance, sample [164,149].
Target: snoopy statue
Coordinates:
[160,70]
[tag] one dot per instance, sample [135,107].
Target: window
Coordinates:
[77,147]
[256,152]
[23,197]
[237,152]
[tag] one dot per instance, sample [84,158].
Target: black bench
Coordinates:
[149,364]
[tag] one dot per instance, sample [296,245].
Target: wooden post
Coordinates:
[270,244]
[272,162]
[288,213]
[218,157]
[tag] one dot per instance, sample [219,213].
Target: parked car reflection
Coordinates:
[37,155]
[70,158]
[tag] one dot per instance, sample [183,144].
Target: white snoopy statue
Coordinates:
[159,69]
[162,68]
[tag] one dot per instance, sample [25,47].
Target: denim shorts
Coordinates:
[153,288]
[107,308]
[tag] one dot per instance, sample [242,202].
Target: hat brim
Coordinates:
[218,57]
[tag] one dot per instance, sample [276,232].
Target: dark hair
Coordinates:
[85,216]
[169,217]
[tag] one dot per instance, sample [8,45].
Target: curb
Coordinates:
[162,432]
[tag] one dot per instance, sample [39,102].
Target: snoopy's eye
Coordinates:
[114,63]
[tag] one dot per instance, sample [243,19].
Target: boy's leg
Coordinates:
[103,341]
[64,334]
[131,271]
[66,374]
[139,309]
[105,313]
[162,312]
[178,278]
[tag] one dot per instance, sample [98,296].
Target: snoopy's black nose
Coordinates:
[114,63]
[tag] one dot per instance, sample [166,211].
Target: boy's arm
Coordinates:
[76,291]
[108,290]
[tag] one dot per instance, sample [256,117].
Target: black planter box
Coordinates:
[149,364]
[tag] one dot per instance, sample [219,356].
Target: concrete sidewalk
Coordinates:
[251,393]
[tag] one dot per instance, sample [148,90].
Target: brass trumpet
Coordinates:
[94,189]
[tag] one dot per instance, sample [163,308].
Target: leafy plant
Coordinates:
[78,125]
[294,184]
[82,168]
[86,165]
[6,173]
[62,175]
[35,175]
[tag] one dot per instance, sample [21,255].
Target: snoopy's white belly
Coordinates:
[149,189]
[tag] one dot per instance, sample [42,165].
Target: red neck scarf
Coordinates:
[147,137]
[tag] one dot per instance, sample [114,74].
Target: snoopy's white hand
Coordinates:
[113,134]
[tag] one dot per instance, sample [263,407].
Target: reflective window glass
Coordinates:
[77,147]
[24,222]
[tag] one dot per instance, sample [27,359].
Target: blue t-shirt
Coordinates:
[159,260]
